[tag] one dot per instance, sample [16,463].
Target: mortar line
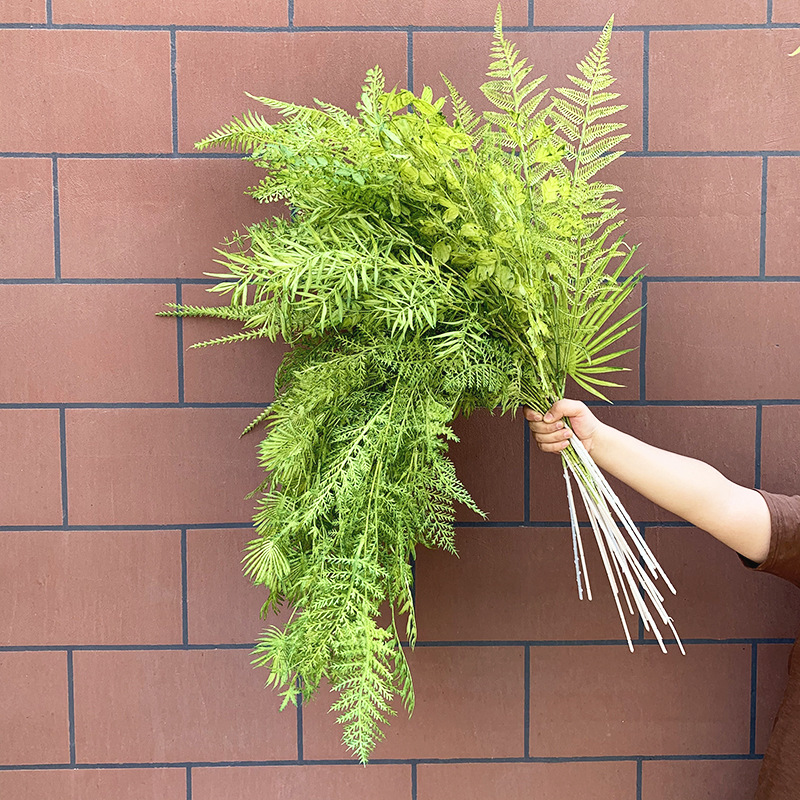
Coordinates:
[762,237]
[62,443]
[173,76]
[71,707]
[179,345]
[188,783]
[531,23]
[410,58]
[646,91]
[769,12]
[639,763]
[413,780]
[757,464]
[526,707]
[300,729]
[753,695]
[56,223]
[290,14]
[643,344]
[49,13]
[526,473]
[184,588]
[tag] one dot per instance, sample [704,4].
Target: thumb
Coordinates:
[564,408]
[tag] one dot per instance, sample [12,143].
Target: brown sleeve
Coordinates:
[783,558]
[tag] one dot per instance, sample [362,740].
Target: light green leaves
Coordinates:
[429,267]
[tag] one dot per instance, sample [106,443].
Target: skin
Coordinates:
[689,488]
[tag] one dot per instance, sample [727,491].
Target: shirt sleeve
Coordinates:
[783,558]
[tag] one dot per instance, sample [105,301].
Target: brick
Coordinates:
[223,604]
[415,12]
[151,218]
[230,372]
[173,12]
[59,328]
[649,12]
[214,70]
[488,461]
[173,705]
[721,341]
[463,57]
[783,216]
[786,11]
[722,780]
[692,216]
[469,705]
[389,782]
[94,784]
[512,584]
[121,587]
[589,781]
[605,701]
[717,598]
[26,218]
[33,705]
[160,466]
[86,91]
[735,100]
[678,429]
[772,677]
[30,467]
[24,11]
[780,458]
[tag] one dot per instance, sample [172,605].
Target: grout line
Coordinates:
[179,335]
[526,708]
[49,13]
[643,344]
[753,696]
[291,27]
[531,23]
[146,648]
[757,466]
[173,76]
[762,239]
[413,780]
[526,473]
[639,779]
[643,533]
[646,92]
[210,282]
[410,59]
[62,441]
[184,588]
[615,759]
[238,156]
[56,224]
[71,707]
[188,783]
[300,729]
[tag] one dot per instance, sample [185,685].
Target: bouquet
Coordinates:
[430,266]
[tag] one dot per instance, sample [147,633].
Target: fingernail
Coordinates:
[548,417]
[537,417]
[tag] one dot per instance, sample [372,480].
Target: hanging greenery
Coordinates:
[429,268]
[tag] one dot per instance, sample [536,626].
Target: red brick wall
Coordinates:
[126,624]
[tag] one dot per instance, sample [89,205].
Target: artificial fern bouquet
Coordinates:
[429,268]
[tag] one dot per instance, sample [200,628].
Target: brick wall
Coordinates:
[126,624]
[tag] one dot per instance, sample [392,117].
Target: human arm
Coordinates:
[689,488]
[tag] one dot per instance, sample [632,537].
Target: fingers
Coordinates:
[551,438]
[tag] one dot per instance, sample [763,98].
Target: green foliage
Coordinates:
[429,268]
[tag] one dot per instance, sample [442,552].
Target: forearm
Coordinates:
[689,488]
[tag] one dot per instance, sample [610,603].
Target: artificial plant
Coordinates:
[429,268]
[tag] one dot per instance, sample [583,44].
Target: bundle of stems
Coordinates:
[429,268]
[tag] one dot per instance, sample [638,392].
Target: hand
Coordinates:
[551,432]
